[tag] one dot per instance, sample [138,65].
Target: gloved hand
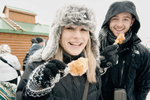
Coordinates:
[109,56]
[48,76]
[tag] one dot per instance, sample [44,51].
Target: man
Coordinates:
[128,63]
[33,40]
[34,47]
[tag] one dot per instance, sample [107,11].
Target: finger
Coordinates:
[115,46]
[112,52]
[53,70]
[44,83]
[60,65]
[48,73]
[50,65]
[112,48]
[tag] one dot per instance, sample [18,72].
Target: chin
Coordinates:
[75,53]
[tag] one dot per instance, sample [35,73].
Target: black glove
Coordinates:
[109,56]
[48,74]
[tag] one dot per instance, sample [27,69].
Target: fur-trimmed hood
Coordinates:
[69,14]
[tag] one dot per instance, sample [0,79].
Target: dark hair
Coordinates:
[33,40]
[39,39]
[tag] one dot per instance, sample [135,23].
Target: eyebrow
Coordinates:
[126,16]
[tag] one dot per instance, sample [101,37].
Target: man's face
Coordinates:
[42,43]
[121,23]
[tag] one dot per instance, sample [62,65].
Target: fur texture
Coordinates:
[76,15]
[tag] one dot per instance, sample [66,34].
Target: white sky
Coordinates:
[45,10]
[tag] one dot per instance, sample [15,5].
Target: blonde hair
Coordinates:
[91,73]
[4,48]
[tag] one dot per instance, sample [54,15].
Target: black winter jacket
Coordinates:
[34,47]
[133,69]
[131,73]
[68,88]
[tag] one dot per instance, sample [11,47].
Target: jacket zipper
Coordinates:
[122,72]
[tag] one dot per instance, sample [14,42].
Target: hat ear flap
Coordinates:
[53,43]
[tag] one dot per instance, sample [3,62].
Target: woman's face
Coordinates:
[74,39]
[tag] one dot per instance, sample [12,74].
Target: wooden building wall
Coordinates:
[19,43]
[21,17]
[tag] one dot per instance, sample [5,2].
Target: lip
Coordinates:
[76,44]
[119,30]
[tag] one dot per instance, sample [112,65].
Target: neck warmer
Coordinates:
[106,37]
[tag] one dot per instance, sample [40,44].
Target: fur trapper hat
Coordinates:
[69,14]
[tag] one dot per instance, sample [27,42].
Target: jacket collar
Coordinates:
[68,58]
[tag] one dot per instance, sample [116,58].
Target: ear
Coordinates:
[132,21]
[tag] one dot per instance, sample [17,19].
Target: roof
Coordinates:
[19,9]
[31,29]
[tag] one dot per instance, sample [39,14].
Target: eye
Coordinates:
[126,19]
[114,18]
[83,29]
[69,28]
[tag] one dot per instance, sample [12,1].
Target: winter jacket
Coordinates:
[32,50]
[25,60]
[34,47]
[132,72]
[68,88]
[6,70]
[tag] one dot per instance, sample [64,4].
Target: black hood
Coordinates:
[119,7]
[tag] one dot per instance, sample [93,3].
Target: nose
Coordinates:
[77,34]
[120,23]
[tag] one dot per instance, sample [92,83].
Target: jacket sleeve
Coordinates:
[34,48]
[142,81]
[16,63]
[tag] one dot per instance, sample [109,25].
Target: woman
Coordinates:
[7,73]
[71,37]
